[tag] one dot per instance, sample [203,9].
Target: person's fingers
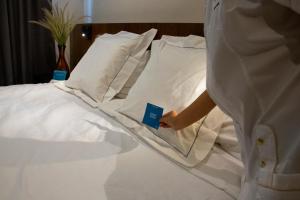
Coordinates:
[163,119]
[167,114]
[163,122]
[164,125]
[167,119]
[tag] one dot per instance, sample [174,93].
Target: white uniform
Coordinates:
[254,76]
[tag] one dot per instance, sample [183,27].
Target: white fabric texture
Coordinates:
[218,122]
[61,85]
[202,145]
[191,41]
[134,76]
[100,64]
[137,59]
[211,166]
[227,138]
[172,79]
[215,124]
[108,63]
[55,146]
[253,75]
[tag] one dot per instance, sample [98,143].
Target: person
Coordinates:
[253,75]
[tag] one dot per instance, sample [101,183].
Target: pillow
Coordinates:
[191,41]
[173,78]
[100,73]
[134,76]
[135,60]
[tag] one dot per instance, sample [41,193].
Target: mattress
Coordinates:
[53,145]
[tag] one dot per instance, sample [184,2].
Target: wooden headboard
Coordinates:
[79,45]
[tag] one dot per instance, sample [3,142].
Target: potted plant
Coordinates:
[60,23]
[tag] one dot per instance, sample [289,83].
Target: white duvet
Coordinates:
[55,146]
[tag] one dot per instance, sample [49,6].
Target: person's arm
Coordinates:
[198,109]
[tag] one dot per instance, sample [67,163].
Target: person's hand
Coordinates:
[168,120]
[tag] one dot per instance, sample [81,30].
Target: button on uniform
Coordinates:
[262,163]
[260,141]
[244,41]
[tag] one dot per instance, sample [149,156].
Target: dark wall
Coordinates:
[79,45]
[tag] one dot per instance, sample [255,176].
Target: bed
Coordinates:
[57,143]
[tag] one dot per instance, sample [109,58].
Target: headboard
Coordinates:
[79,45]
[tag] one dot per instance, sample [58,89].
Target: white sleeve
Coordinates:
[292,4]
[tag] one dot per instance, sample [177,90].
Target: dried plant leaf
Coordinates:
[59,22]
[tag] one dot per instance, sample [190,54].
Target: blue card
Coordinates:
[152,115]
[59,75]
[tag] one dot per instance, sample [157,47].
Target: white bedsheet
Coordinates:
[55,146]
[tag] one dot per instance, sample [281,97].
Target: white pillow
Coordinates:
[191,41]
[134,76]
[135,60]
[173,78]
[100,72]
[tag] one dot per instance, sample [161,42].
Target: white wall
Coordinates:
[148,11]
[75,6]
[114,11]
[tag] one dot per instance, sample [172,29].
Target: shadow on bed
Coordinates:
[25,151]
[163,178]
